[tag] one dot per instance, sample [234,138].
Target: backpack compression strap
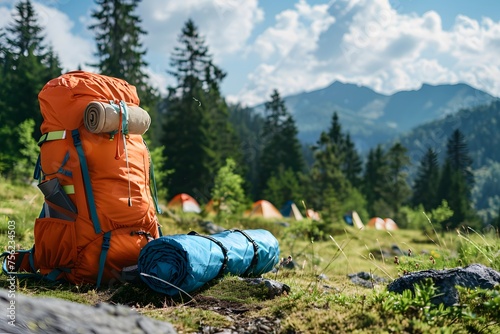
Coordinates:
[19,263]
[86,181]
[222,247]
[102,259]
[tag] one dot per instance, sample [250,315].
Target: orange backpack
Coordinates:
[111,211]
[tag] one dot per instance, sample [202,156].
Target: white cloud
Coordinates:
[287,49]
[226,24]
[4,13]
[369,42]
[73,50]
[295,31]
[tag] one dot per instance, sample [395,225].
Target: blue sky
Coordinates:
[303,45]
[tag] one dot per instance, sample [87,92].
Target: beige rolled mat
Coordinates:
[100,117]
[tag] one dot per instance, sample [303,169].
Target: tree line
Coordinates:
[205,147]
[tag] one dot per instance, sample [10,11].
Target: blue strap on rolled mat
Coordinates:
[189,261]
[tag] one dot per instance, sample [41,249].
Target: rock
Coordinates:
[322,277]
[274,288]
[396,250]
[472,276]
[51,315]
[210,228]
[290,265]
[365,279]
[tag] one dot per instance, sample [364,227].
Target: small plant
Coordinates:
[306,228]
[418,304]
[228,194]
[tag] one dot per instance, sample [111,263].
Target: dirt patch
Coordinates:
[238,313]
[224,307]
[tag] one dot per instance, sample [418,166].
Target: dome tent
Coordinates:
[265,209]
[290,210]
[376,223]
[184,203]
[352,218]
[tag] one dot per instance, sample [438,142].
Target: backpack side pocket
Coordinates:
[55,244]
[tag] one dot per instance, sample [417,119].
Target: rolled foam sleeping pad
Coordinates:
[189,261]
[101,117]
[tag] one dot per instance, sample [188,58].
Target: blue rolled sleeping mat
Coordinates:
[188,261]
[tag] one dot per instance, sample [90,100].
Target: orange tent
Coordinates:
[264,209]
[390,225]
[376,223]
[185,203]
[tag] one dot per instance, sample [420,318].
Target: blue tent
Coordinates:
[352,218]
[290,210]
[348,218]
[189,261]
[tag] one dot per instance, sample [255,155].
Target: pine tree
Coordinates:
[282,187]
[335,132]
[336,168]
[225,141]
[248,126]
[344,149]
[26,64]
[281,146]
[327,182]
[395,189]
[456,181]
[352,166]
[374,178]
[196,122]
[452,189]
[120,51]
[458,155]
[52,65]
[425,189]
[4,70]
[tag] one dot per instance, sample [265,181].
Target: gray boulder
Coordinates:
[472,276]
[51,315]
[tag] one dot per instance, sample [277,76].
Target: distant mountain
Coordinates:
[373,118]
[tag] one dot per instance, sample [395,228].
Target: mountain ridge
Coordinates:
[371,117]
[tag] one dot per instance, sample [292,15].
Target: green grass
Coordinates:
[322,298]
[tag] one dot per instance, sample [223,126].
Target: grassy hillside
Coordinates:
[321,299]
